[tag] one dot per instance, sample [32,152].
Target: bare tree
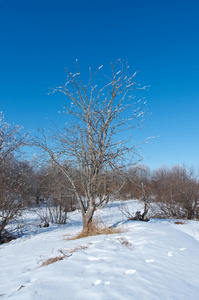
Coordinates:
[93,140]
[10,179]
[11,138]
[137,177]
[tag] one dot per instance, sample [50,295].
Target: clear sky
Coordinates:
[159,38]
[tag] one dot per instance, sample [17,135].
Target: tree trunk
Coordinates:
[87,220]
[146,209]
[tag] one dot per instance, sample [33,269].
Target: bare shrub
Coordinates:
[176,193]
[138,216]
[56,192]
[54,212]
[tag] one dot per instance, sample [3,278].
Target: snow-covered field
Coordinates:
[148,260]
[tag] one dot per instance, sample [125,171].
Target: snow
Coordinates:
[147,260]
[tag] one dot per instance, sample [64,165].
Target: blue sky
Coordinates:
[160,39]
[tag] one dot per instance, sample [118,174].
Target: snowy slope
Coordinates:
[148,260]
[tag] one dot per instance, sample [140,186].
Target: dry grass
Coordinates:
[65,253]
[97,228]
[180,223]
[77,249]
[125,243]
[52,260]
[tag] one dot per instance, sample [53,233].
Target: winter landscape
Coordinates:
[158,259]
[99,165]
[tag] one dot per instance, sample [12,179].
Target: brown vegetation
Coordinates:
[97,228]
[124,242]
[180,223]
[64,255]
[52,260]
[176,192]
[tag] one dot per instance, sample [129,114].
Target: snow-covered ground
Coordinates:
[148,260]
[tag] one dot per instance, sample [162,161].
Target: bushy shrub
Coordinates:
[176,193]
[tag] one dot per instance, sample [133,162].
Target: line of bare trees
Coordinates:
[12,184]
[172,192]
[176,192]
